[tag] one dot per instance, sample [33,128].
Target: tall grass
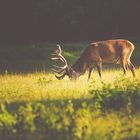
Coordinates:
[39,86]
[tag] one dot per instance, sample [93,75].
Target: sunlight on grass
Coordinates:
[42,86]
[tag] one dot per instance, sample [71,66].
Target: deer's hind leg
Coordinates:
[123,61]
[99,68]
[131,67]
[124,66]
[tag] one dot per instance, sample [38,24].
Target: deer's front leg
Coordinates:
[90,71]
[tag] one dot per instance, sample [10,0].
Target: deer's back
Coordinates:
[109,51]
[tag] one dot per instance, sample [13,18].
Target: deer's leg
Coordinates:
[99,69]
[90,71]
[124,66]
[132,68]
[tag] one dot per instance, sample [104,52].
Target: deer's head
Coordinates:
[65,70]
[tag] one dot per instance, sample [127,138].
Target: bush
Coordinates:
[117,95]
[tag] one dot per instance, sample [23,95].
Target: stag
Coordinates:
[110,51]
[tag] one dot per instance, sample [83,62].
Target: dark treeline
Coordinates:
[68,20]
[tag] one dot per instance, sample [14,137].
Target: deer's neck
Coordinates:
[80,66]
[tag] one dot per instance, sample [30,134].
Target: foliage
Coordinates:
[118,94]
[37,106]
[7,120]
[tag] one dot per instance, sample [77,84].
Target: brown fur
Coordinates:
[110,51]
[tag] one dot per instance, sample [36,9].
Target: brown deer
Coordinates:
[110,51]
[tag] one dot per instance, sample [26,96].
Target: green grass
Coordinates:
[35,105]
[44,86]
[39,106]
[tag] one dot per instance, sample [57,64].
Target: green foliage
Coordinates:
[35,57]
[118,94]
[64,121]
[7,120]
[26,119]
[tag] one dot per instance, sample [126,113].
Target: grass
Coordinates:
[35,105]
[44,86]
[39,106]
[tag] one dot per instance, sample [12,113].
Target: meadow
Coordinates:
[35,105]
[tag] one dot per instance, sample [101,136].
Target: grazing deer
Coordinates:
[110,51]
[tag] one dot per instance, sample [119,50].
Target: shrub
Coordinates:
[117,95]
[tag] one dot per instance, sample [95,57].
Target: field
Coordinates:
[35,105]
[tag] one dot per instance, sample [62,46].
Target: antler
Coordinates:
[58,56]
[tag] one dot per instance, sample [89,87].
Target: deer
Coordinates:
[117,51]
